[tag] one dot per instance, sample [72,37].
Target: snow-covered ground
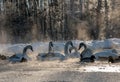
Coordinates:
[41,47]
[38,70]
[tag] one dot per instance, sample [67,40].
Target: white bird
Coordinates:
[66,47]
[50,55]
[111,55]
[70,50]
[22,56]
[86,55]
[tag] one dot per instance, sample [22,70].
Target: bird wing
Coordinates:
[87,53]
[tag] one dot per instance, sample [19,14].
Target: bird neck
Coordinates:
[84,51]
[85,47]
[50,48]
[24,51]
[66,47]
[26,48]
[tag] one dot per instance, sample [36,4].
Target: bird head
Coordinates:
[51,44]
[82,45]
[27,47]
[70,42]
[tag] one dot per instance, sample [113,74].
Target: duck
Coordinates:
[86,55]
[21,57]
[50,55]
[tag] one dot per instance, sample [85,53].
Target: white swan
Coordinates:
[87,52]
[50,50]
[50,55]
[21,57]
[86,55]
[68,50]
[110,54]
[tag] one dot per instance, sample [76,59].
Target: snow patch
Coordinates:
[104,68]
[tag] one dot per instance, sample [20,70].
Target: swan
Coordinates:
[88,59]
[50,55]
[110,54]
[21,57]
[86,55]
[66,51]
[68,48]
[50,50]
[87,52]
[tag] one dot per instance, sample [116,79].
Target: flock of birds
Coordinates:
[70,51]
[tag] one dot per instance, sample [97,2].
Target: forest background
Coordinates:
[24,21]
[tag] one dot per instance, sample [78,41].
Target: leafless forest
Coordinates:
[43,20]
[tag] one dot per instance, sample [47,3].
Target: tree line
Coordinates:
[39,20]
